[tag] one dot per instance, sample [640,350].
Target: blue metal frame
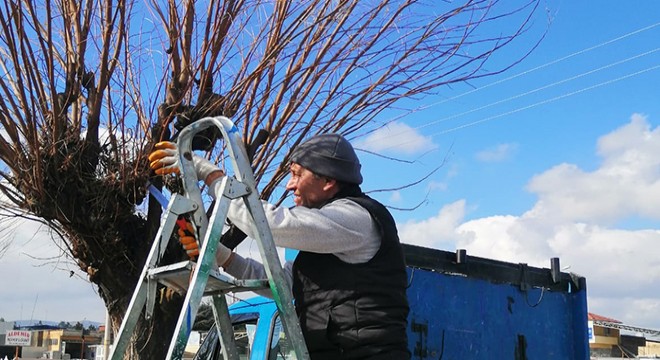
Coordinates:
[475,308]
[267,310]
[456,317]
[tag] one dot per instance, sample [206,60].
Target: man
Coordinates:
[349,279]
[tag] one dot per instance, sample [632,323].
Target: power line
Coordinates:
[547,101]
[580,52]
[538,89]
[553,62]
[530,106]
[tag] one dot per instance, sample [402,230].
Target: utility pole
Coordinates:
[106,336]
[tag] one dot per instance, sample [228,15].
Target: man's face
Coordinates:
[308,189]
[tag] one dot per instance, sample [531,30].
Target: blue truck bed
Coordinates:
[462,307]
[476,308]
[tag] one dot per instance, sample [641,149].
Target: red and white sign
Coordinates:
[18,337]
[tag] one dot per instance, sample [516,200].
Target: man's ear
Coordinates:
[330,184]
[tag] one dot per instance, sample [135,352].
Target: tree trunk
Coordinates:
[108,238]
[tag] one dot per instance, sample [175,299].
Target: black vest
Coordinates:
[354,311]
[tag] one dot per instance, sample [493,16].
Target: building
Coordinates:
[49,342]
[6,350]
[603,341]
[606,340]
[651,350]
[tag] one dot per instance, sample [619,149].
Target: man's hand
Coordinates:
[187,237]
[165,160]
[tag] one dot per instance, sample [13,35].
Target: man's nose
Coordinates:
[290,185]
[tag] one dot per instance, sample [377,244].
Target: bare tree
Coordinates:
[87,87]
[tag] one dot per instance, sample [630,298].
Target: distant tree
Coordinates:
[91,327]
[78,326]
[2,319]
[87,87]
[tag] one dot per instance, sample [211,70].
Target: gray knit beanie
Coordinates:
[329,155]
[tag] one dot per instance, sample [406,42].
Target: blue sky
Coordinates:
[533,132]
[555,157]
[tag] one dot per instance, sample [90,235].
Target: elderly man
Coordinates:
[349,279]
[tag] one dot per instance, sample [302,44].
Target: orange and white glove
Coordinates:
[187,239]
[164,160]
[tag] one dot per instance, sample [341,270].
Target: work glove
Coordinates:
[166,294]
[164,160]
[187,239]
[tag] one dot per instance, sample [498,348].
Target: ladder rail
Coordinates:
[226,329]
[176,206]
[200,274]
[280,288]
[243,186]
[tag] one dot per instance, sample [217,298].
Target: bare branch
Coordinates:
[85,92]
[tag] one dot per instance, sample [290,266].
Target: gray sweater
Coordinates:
[342,228]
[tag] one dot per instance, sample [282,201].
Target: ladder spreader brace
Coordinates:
[202,278]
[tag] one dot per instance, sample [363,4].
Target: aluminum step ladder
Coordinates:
[200,279]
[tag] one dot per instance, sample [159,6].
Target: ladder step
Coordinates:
[177,277]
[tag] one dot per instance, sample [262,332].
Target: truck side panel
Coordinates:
[467,308]
[459,312]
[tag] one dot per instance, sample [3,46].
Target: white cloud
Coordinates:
[573,219]
[396,137]
[395,197]
[630,260]
[497,153]
[127,141]
[437,185]
[504,237]
[634,311]
[626,184]
[436,232]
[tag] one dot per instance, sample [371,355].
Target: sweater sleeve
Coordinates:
[342,228]
[246,268]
